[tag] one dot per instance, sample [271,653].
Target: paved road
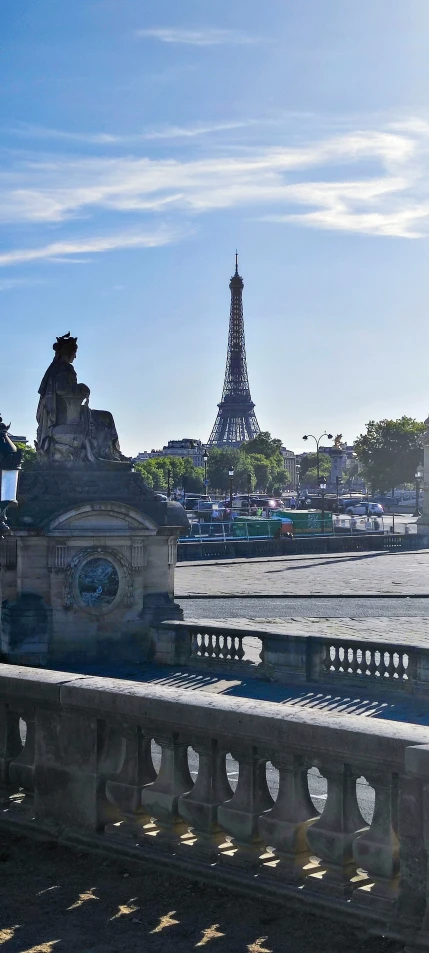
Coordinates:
[278,609]
[370,573]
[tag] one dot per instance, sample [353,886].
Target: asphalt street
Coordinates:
[280,608]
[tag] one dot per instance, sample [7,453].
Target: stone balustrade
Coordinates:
[331,810]
[295,659]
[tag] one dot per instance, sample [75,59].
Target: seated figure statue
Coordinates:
[68,430]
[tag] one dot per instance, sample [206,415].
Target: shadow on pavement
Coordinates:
[58,901]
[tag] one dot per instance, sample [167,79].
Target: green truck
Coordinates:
[307,522]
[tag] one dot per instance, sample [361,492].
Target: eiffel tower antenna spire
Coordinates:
[236,420]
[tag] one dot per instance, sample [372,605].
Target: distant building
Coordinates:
[290,461]
[186,449]
[17,439]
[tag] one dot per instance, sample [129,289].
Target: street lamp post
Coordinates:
[206,482]
[297,472]
[322,485]
[168,483]
[10,465]
[230,474]
[418,478]
[317,442]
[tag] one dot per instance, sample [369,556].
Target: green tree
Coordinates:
[278,479]
[390,451]
[263,444]
[309,463]
[193,477]
[182,473]
[262,470]
[218,465]
[29,456]
[244,480]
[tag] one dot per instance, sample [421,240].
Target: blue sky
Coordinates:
[141,143]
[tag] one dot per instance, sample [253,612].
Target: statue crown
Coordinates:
[66,340]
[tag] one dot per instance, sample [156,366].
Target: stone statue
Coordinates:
[337,441]
[68,430]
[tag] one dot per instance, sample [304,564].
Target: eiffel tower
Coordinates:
[236,419]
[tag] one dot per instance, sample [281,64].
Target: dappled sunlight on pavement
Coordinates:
[143,910]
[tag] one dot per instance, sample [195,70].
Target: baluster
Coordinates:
[195,645]
[215,652]
[284,828]
[327,659]
[125,790]
[331,836]
[160,798]
[335,659]
[239,652]
[21,769]
[341,658]
[239,816]
[10,746]
[200,806]
[377,850]
[352,661]
[371,666]
[391,667]
[401,667]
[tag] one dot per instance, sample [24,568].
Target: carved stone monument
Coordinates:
[88,572]
[338,457]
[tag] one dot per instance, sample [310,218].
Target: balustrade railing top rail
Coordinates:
[328,808]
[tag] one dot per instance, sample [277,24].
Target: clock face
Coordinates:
[98,582]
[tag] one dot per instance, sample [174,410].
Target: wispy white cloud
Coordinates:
[374,182]
[27,130]
[62,250]
[8,284]
[207,36]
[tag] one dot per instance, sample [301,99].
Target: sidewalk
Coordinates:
[372,573]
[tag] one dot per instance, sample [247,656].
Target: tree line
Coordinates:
[388,453]
[257,464]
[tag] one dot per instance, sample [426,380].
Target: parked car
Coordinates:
[365,509]
[205,509]
[193,499]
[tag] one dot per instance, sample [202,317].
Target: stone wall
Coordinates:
[327,809]
[93,583]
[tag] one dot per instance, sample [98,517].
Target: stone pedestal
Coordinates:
[89,571]
[338,465]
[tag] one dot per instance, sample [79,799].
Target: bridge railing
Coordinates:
[295,658]
[329,809]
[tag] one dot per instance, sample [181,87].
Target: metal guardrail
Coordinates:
[218,548]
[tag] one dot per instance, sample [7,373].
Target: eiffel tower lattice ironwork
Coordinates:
[236,420]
